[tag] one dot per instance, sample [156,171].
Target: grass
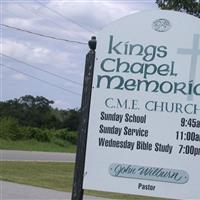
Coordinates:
[57,176]
[33,145]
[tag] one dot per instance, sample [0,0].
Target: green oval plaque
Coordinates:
[149,173]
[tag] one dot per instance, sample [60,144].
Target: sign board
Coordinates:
[144,123]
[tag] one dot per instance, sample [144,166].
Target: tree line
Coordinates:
[30,117]
[38,112]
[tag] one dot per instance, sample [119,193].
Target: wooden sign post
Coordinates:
[77,193]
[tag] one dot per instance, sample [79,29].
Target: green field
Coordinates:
[56,176]
[33,145]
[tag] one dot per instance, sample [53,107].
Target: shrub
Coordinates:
[72,137]
[61,134]
[42,135]
[64,134]
[9,129]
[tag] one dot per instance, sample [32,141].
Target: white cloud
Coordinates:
[12,47]
[94,14]
[32,53]
[14,10]
[60,104]
[19,77]
[19,22]
[40,20]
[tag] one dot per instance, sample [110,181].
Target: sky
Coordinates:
[39,66]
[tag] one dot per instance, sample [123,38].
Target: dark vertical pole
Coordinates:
[77,192]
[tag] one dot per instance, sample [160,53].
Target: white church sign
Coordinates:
[144,123]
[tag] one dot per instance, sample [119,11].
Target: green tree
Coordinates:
[29,111]
[9,129]
[72,120]
[37,112]
[189,6]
